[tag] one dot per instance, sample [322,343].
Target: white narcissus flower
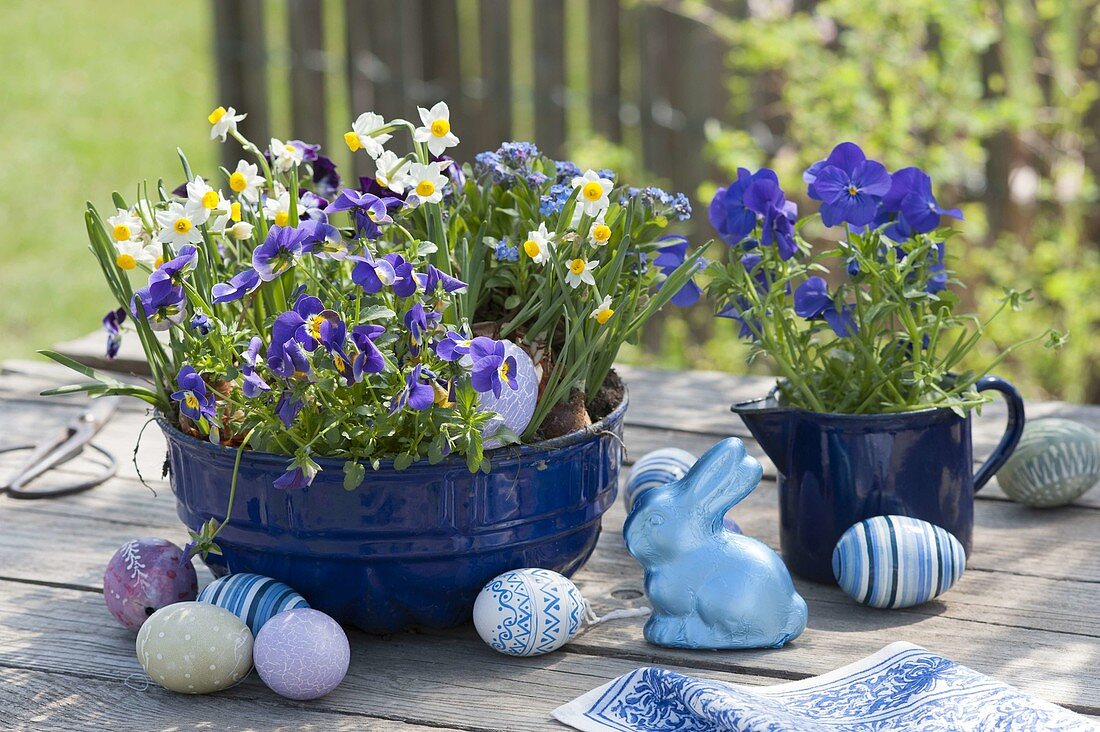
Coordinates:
[202,200]
[277,207]
[539,244]
[364,134]
[246,181]
[223,121]
[132,253]
[285,156]
[177,228]
[392,172]
[603,311]
[580,270]
[600,233]
[436,131]
[594,192]
[124,225]
[241,230]
[427,181]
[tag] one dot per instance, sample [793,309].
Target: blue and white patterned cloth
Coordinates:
[902,687]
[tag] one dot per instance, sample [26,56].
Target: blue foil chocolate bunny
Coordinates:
[710,587]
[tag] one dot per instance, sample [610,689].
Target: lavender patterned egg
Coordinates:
[514,408]
[253,598]
[302,654]
[195,648]
[145,575]
[1056,461]
[897,561]
[656,468]
[529,612]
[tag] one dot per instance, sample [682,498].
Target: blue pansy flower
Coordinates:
[160,303]
[910,197]
[194,399]
[372,274]
[937,280]
[812,300]
[669,257]
[368,211]
[175,268]
[241,284]
[418,321]
[288,359]
[200,323]
[453,346]
[849,186]
[436,278]
[406,280]
[325,178]
[254,384]
[727,212]
[299,474]
[288,407]
[369,359]
[112,323]
[417,393]
[491,368]
[766,199]
[280,251]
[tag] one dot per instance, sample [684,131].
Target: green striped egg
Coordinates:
[897,561]
[1056,461]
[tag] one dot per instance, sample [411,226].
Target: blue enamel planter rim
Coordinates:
[512,451]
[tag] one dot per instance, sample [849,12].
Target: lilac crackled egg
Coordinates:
[301,654]
[145,575]
[514,408]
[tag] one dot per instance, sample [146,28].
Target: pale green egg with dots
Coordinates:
[1056,461]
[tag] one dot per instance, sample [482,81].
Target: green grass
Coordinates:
[96,98]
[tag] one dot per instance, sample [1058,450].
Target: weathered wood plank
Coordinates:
[241,50]
[308,65]
[549,61]
[605,68]
[493,110]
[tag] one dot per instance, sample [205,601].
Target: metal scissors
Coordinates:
[59,448]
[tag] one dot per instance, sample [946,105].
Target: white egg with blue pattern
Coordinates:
[529,612]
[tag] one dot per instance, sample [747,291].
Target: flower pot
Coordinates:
[410,547]
[837,469]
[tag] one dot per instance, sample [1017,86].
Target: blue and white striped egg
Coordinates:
[253,598]
[897,561]
[529,612]
[1055,462]
[655,469]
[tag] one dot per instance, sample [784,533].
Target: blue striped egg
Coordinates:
[1056,461]
[253,598]
[897,561]
[655,469]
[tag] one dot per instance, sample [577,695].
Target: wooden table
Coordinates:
[1026,611]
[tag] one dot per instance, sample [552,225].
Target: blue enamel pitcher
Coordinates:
[837,469]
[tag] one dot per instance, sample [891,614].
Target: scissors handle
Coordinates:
[16,488]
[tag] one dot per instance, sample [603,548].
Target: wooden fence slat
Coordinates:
[549,59]
[307,71]
[241,51]
[605,68]
[493,114]
[440,65]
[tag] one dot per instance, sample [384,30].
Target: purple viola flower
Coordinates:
[406,282]
[491,368]
[241,284]
[302,323]
[812,300]
[418,321]
[849,186]
[254,384]
[369,359]
[332,335]
[288,359]
[910,197]
[200,323]
[368,210]
[160,303]
[323,240]
[417,393]
[393,201]
[195,401]
[453,346]
[175,268]
[436,278]
[299,475]
[727,212]
[311,207]
[325,178]
[766,199]
[309,151]
[373,274]
[287,408]
[937,280]
[280,251]
[112,323]
[668,258]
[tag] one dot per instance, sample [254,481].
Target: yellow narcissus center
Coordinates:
[237,182]
[352,140]
[235,212]
[532,248]
[604,315]
[425,188]
[182,225]
[126,261]
[592,191]
[159,262]
[441,127]
[601,232]
[282,218]
[210,199]
[577,266]
[216,115]
[122,232]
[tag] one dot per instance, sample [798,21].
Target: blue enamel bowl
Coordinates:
[407,548]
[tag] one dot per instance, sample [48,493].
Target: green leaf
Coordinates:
[512,302]
[376,312]
[354,472]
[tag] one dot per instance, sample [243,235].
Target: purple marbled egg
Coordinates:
[301,653]
[514,408]
[145,575]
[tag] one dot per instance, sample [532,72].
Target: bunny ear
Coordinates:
[722,477]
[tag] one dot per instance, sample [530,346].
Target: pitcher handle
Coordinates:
[1012,433]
